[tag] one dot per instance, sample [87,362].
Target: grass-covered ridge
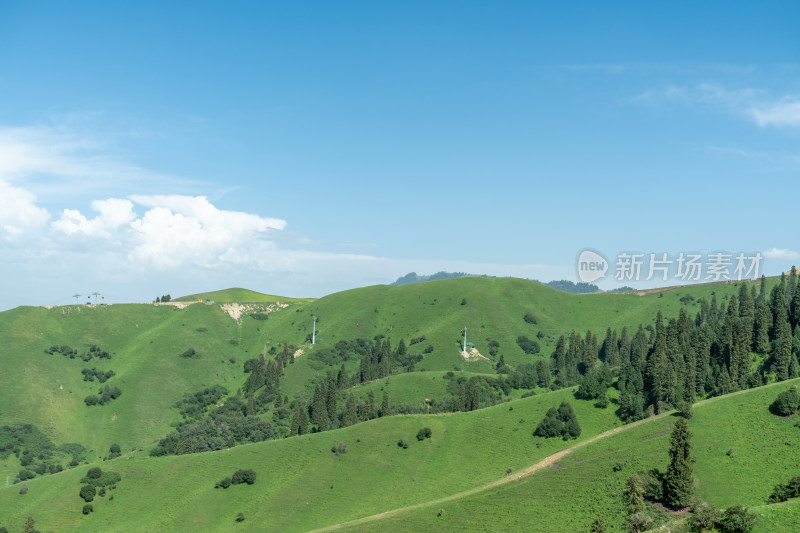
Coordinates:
[157,354]
[295,476]
[235,294]
[303,486]
[583,486]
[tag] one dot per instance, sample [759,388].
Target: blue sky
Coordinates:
[150,147]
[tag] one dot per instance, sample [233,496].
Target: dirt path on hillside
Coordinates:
[544,463]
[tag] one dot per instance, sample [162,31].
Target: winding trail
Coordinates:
[544,463]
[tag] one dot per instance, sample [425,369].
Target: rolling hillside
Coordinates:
[160,353]
[462,470]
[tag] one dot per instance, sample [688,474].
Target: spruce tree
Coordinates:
[369,406]
[384,405]
[761,327]
[350,417]
[295,427]
[331,395]
[679,482]
[782,355]
[319,408]
[303,429]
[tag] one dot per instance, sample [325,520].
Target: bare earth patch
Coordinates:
[472,354]
[236,310]
[298,353]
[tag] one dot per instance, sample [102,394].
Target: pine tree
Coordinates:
[761,327]
[679,482]
[384,405]
[295,426]
[319,408]
[350,417]
[303,429]
[782,355]
[251,405]
[794,307]
[342,381]
[369,406]
[30,526]
[332,396]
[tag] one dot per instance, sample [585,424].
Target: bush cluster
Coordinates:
[104,395]
[559,422]
[528,346]
[785,491]
[240,476]
[102,377]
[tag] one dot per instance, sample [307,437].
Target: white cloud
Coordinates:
[749,103]
[113,214]
[185,229]
[785,113]
[18,212]
[781,253]
[59,162]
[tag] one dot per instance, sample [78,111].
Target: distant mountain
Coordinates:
[413,277]
[561,285]
[569,286]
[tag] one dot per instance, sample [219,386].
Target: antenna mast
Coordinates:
[465,338]
[76,296]
[314,330]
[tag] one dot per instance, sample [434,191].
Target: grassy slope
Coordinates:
[145,342]
[584,486]
[494,308]
[293,492]
[235,294]
[146,339]
[302,486]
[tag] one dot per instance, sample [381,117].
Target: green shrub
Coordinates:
[223,483]
[244,476]
[704,516]
[240,517]
[737,519]
[424,433]
[88,508]
[783,492]
[23,489]
[94,473]
[559,422]
[88,492]
[786,403]
[403,443]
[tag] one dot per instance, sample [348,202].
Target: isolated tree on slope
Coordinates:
[678,483]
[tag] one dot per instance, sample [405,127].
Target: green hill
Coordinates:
[234,295]
[462,469]
[161,353]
